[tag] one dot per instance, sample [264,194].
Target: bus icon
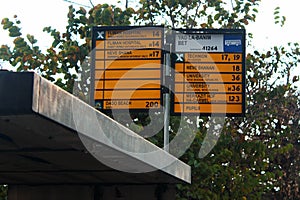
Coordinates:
[233,42]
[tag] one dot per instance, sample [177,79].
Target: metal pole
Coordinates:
[166,121]
[167,74]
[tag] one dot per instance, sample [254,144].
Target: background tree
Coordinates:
[68,51]
[196,14]
[257,156]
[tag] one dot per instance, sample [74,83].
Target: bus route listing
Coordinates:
[209,73]
[127,67]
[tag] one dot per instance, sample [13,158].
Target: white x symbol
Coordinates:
[179,57]
[100,35]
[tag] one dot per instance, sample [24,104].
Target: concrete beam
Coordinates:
[49,136]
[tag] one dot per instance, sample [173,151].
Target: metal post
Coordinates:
[166,121]
[167,75]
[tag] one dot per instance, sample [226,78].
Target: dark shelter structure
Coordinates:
[49,149]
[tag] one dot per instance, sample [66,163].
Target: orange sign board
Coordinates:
[125,44]
[208,77]
[126,74]
[127,70]
[132,33]
[203,87]
[209,72]
[213,57]
[208,67]
[127,84]
[129,54]
[208,98]
[207,108]
[132,104]
[133,64]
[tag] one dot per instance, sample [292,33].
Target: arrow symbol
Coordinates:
[100,35]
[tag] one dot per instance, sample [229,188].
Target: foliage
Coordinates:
[278,19]
[68,51]
[257,156]
[274,115]
[196,14]
[3,192]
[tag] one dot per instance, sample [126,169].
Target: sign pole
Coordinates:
[167,76]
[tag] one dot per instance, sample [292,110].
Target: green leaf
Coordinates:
[7,25]
[14,31]
[217,16]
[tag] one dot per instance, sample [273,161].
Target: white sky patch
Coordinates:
[268,34]
[37,14]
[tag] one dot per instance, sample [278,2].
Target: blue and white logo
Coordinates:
[233,43]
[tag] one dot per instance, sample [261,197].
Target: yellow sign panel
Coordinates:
[203,87]
[208,98]
[136,33]
[207,77]
[127,74]
[125,64]
[128,67]
[98,94]
[126,94]
[208,108]
[117,44]
[213,57]
[209,72]
[128,44]
[131,104]
[136,94]
[127,84]
[100,44]
[208,67]
[129,54]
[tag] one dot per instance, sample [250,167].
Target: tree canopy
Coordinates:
[256,156]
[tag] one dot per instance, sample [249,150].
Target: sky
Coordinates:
[266,33]
[36,14]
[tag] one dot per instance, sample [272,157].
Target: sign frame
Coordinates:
[201,33]
[97,34]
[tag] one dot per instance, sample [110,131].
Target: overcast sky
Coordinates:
[36,14]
